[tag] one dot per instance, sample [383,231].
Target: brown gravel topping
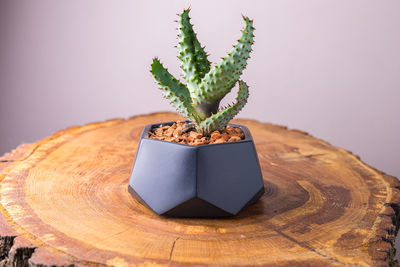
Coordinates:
[184,133]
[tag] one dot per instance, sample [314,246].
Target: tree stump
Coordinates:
[64,202]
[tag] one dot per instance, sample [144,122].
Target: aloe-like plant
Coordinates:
[198,100]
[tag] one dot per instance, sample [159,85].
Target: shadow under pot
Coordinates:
[206,181]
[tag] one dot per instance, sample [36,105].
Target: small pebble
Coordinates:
[234,138]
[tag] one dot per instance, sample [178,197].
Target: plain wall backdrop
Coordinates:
[330,68]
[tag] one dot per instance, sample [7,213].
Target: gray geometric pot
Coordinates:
[177,180]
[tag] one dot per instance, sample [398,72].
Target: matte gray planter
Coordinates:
[216,180]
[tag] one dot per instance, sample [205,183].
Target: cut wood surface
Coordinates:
[64,201]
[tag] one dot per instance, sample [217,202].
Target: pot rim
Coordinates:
[144,135]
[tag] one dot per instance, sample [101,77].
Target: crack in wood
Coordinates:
[172,248]
[315,155]
[113,235]
[30,153]
[308,247]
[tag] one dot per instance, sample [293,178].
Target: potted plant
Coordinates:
[202,167]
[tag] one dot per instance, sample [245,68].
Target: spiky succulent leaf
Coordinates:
[173,90]
[199,99]
[223,116]
[194,62]
[222,77]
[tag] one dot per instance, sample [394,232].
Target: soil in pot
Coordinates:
[184,133]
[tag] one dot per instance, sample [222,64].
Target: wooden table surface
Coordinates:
[64,201]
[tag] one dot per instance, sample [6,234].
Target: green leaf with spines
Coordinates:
[174,90]
[222,117]
[220,80]
[194,62]
[205,88]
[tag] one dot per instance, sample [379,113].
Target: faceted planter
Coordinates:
[215,180]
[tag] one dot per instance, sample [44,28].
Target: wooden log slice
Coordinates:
[64,201]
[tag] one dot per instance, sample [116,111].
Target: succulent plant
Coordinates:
[198,100]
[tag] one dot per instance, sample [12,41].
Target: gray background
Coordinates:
[330,68]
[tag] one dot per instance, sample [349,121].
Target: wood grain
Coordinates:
[64,202]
